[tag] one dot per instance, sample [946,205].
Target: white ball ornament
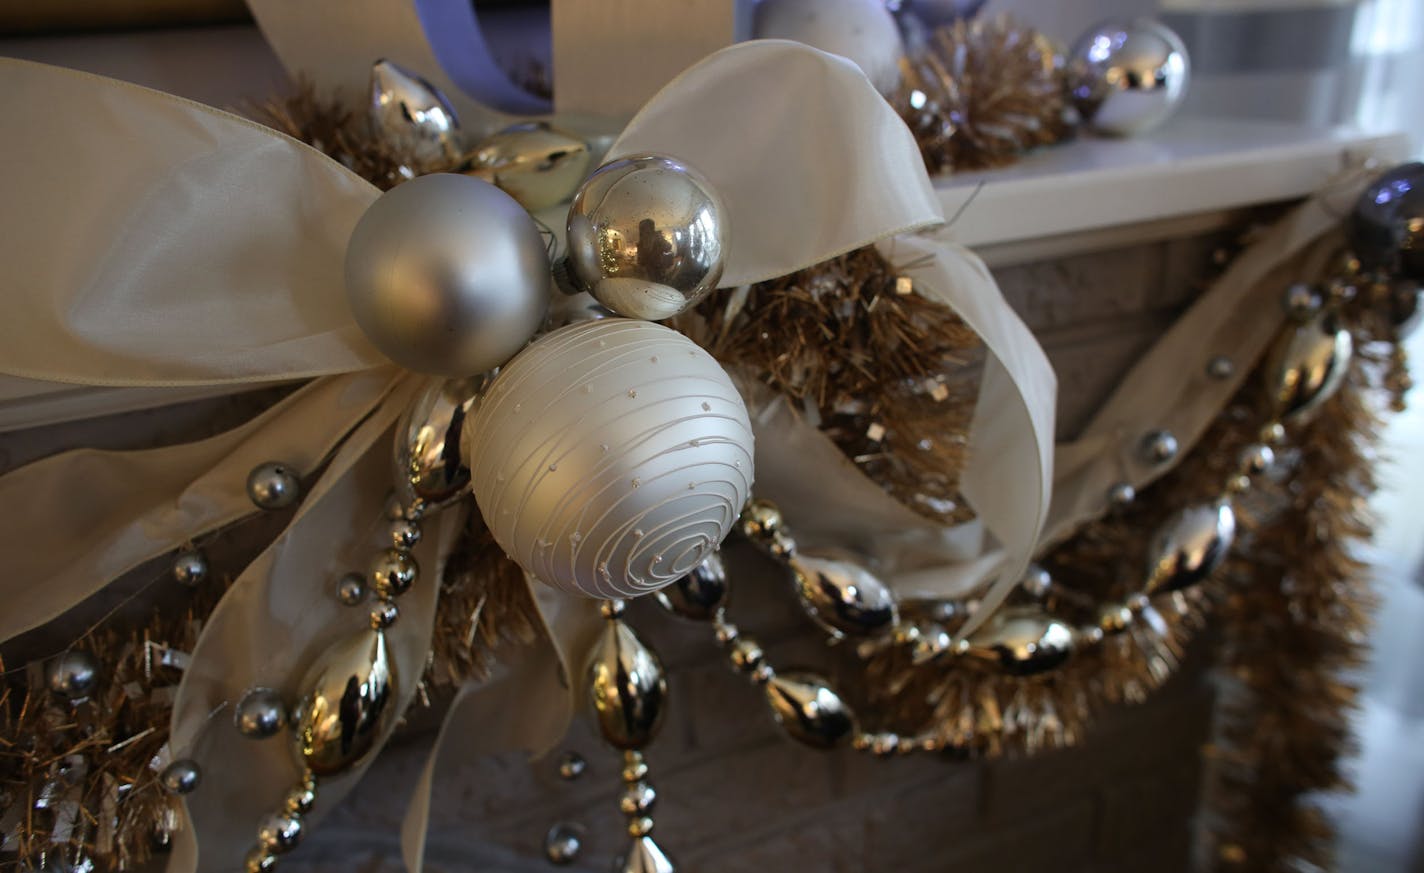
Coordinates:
[447,274]
[610,457]
[862,30]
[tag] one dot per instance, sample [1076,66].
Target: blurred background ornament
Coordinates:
[646,237]
[447,274]
[1387,224]
[938,13]
[610,457]
[1127,76]
[862,30]
[532,162]
[1189,547]
[981,92]
[1023,641]
[412,114]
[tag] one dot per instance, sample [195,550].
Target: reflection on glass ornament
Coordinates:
[412,114]
[646,237]
[1387,224]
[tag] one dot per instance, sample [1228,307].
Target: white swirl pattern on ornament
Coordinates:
[610,457]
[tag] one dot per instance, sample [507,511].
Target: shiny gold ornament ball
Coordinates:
[611,457]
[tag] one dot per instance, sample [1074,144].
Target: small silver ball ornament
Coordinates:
[280,832]
[1037,581]
[646,237]
[1127,77]
[447,274]
[571,765]
[351,589]
[260,714]
[393,572]
[272,486]
[405,535]
[562,844]
[1221,368]
[182,776]
[73,674]
[1160,447]
[190,568]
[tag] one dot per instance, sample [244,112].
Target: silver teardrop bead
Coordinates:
[699,595]
[430,468]
[1307,366]
[1189,546]
[842,596]
[1023,641]
[413,114]
[644,856]
[626,687]
[809,710]
[348,699]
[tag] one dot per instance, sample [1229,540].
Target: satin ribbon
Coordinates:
[208,250]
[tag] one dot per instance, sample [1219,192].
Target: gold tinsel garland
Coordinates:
[880,369]
[982,92]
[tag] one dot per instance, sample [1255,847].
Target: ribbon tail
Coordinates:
[813,168]
[527,706]
[93,516]
[275,620]
[1009,477]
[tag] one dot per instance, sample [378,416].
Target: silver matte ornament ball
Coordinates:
[273,486]
[611,457]
[190,568]
[646,237]
[181,777]
[260,714]
[447,274]
[73,674]
[1127,77]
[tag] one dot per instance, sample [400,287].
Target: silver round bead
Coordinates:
[638,798]
[1121,494]
[351,589]
[280,832]
[646,237]
[273,486]
[182,776]
[260,714]
[1160,447]
[562,844]
[746,655]
[1037,582]
[259,860]
[572,765]
[384,614]
[1256,459]
[1221,368]
[190,568]
[299,799]
[405,534]
[1301,301]
[393,572]
[73,674]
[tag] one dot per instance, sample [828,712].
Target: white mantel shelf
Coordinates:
[1087,194]
[1121,188]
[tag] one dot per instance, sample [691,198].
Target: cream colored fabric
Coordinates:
[1169,388]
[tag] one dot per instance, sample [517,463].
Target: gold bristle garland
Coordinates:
[881,369]
[982,92]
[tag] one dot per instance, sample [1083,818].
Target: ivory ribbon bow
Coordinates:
[150,241]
